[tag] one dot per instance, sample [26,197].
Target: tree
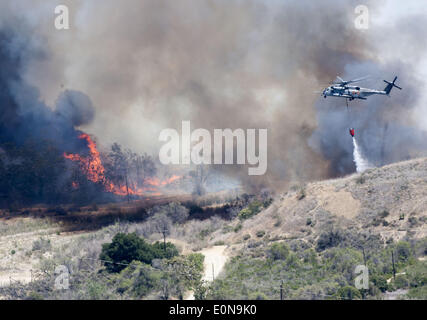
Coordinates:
[181,273]
[126,248]
[118,166]
[163,225]
[144,167]
[380,282]
[173,210]
[128,169]
[403,251]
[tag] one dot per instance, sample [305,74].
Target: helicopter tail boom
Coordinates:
[390,86]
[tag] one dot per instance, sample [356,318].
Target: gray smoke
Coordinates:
[150,64]
[24,116]
[76,107]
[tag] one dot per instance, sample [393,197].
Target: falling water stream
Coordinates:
[361,163]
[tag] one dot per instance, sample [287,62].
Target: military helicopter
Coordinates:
[340,88]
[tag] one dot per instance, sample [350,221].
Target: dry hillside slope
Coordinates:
[390,201]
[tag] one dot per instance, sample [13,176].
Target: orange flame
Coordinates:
[93,168]
[92,164]
[157,182]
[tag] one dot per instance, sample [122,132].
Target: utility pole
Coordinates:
[164,239]
[213,272]
[364,256]
[281,290]
[394,269]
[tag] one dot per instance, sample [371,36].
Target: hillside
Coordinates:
[309,238]
[390,201]
[312,237]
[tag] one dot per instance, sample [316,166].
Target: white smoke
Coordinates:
[362,164]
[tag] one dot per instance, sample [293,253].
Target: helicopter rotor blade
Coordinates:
[358,79]
[338,80]
[343,82]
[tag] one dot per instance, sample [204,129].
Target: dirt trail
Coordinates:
[215,259]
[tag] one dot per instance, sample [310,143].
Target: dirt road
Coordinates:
[215,259]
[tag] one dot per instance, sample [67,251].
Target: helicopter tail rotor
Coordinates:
[390,86]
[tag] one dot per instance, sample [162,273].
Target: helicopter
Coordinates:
[340,88]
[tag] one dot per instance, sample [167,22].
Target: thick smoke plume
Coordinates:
[220,64]
[24,116]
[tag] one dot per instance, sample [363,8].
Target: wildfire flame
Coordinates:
[157,182]
[92,166]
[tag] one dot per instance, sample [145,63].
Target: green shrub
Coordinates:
[329,239]
[279,251]
[137,279]
[419,293]
[349,293]
[96,290]
[35,296]
[253,208]
[160,251]
[401,282]
[417,274]
[183,273]
[380,282]
[258,296]
[403,251]
[126,248]
[245,214]
[260,233]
